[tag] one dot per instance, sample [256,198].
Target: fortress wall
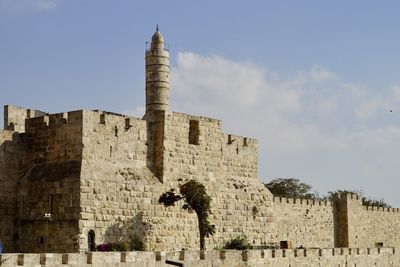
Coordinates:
[11,161]
[203,159]
[114,138]
[305,222]
[117,188]
[384,257]
[241,207]
[196,148]
[50,184]
[375,226]
[209,157]
[55,137]
[119,194]
[369,226]
[240,156]
[14,117]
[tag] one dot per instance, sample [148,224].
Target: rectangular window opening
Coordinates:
[128,123]
[194,132]
[102,119]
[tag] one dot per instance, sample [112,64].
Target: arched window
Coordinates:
[91,241]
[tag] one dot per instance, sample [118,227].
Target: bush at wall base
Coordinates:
[117,246]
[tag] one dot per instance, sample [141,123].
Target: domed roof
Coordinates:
[157,41]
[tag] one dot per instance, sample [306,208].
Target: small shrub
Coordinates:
[117,246]
[103,247]
[136,243]
[239,243]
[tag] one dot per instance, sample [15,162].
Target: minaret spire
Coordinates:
[157,74]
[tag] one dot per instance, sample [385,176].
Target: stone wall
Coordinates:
[14,117]
[117,188]
[10,170]
[371,226]
[215,156]
[305,222]
[383,257]
[104,172]
[119,193]
[50,184]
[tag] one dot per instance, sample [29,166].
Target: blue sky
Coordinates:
[316,82]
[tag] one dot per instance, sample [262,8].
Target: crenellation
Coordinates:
[58,118]
[14,117]
[313,257]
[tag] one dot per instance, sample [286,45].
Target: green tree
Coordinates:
[195,198]
[290,187]
[367,201]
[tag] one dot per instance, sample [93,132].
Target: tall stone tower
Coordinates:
[157,74]
[157,89]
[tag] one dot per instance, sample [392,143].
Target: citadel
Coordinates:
[74,179]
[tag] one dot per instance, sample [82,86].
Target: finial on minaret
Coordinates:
[157,28]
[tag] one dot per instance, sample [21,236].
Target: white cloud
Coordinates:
[334,135]
[369,108]
[319,74]
[396,93]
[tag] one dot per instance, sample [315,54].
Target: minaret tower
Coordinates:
[157,74]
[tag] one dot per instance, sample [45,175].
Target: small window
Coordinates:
[91,241]
[102,119]
[116,131]
[379,245]
[194,132]
[127,123]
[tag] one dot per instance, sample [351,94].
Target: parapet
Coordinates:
[182,117]
[53,120]
[307,257]
[14,117]
[381,209]
[302,201]
[240,140]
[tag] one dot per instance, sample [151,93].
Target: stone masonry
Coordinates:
[66,176]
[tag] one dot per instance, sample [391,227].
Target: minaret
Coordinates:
[157,74]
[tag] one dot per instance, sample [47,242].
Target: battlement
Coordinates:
[348,196]
[184,117]
[302,201]
[14,117]
[106,118]
[240,140]
[381,209]
[304,257]
[53,120]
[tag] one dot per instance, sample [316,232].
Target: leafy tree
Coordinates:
[195,198]
[367,201]
[290,187]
